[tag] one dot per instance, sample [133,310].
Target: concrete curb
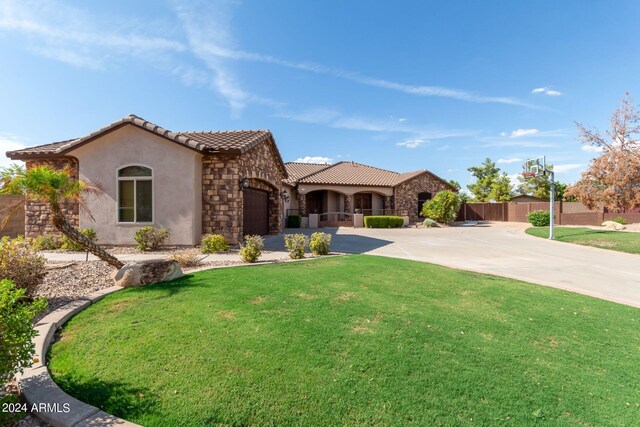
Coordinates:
[38,388]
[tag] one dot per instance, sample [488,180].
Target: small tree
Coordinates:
[501,189]
[16,331]
[443,207]
[485,175]
[613,179]
[47,185]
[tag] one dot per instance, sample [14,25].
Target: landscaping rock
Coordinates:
[612,225]
[142,273]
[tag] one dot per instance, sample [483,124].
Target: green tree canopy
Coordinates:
[485,174]
[501,189]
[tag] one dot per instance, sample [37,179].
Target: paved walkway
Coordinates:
[502,249]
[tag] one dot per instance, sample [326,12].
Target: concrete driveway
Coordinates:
[502,249]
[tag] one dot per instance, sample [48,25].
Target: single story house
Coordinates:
[229,182]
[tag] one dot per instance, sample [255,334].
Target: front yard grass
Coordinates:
[354,340]
[615,240]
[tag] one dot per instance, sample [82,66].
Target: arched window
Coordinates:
[422,199]
[135,194]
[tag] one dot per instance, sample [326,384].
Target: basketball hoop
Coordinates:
[527,175]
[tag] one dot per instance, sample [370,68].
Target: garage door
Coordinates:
[255,217]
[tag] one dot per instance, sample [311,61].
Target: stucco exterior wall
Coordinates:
[406,193]
[377,203]
[176,185]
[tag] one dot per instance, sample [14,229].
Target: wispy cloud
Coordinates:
[566,167]
[314,159]
[511,160]
[411,143]
[523,132]
[592,149]
[546,91]
[517,143]
[9,142]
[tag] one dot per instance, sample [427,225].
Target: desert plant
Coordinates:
[428,222]
[443,207]
[47,185]
[295,244]
[212,243]
[538,218]
[619,220]
[46,242]
[320,243]
[383,221]
[17,312]
[188,258]
[150,238]
[294,221]
[251,248]
[20,263]
[70,245]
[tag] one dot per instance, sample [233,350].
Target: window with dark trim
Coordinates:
[422,199]
[135,194]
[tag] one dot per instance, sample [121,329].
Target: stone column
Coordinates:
[347,203]
[302,203]
[387,205]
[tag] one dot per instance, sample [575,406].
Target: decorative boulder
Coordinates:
[612,225]
[143,273]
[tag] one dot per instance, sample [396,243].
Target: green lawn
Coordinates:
[614,240]
[354,340]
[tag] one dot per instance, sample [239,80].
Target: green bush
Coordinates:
[20,263]
[428,222]
[443,207]
[619,220]
[252,248]
[47,242]
[17,312]
[212,243]
[294,221]
[295,244]
[69,245]
[320,243]
[150,238]
[383,221]
[187,258]
[538,218]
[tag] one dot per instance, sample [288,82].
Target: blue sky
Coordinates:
[398,85]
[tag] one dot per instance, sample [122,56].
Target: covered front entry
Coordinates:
[255,212]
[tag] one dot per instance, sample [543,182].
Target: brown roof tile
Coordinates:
[300,170]
[351,173]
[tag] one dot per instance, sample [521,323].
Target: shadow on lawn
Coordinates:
[115,398]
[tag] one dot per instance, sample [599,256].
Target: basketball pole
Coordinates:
[552,202]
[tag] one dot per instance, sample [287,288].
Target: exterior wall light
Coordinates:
[244,183]
[284,195]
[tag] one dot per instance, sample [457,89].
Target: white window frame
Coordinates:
[135,179]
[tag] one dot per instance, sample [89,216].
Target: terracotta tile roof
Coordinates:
[230,141]
[300,170]
[351,173]
[402,177]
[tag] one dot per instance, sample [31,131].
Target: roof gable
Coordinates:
[297,171]
[352,173]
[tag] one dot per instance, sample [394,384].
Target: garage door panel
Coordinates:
[255,217]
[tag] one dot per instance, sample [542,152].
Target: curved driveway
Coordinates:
[505,250]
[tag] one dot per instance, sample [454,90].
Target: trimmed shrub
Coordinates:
[619,220]
[428,222]
[320,243]
[295,244]
[251,248]
[294,221]
[538,218]
[188,258]
[383,221]
[69,245]
[212,243]
[150,238]
[21,264]
[46,242]
[16,331]
[443,207]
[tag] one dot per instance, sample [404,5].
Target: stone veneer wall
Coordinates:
[37,220]
[406,193]
[222,199]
